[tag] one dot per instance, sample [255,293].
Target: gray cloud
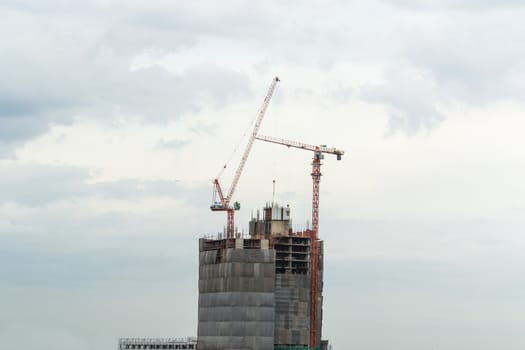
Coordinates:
[75,68]
[46,246]
[471,62]
[63,286]
[256,21]
[410,97]
[79,66]
[53,260]
[39,185]
[449,59]
[67,273]
[463,5]
[412,304]
[16,125]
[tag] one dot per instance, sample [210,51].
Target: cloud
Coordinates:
[450,59]
[60,231]
[76,254]
[37,185]
[77,260]
[410,97]
[73,70]
[451,5]
[81,65]
[40,185]
[471,63]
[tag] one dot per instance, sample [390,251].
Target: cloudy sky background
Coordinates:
[115,116]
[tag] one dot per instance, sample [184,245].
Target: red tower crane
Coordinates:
[222,203]
[316,177]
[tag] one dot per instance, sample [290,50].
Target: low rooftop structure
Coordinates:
[157,343]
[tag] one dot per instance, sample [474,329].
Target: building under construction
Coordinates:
[263,291]
[256,293]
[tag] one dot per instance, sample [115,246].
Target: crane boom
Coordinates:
[314,267]
[295,144]
[262,112]
[224,202]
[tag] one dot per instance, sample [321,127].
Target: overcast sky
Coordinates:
[115,116]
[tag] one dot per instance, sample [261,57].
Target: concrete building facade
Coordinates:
[236,294]
[255,293]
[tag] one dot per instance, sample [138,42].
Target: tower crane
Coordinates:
[222,203]
[316,177]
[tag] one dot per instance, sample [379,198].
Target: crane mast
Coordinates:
[316,179]
[224,202]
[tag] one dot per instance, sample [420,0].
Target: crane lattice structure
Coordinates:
[222,203]
[316,177]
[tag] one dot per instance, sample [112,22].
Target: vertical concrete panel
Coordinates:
[236,303]
[292,311]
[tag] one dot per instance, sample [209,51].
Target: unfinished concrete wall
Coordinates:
[236,297]
[292,309]
[292,292]
[320,293]
[254,297]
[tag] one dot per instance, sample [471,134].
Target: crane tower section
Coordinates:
[318,151]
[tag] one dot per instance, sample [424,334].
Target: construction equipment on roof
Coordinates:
[221,202]
[316,177]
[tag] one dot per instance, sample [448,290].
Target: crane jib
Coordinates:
[223,204]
